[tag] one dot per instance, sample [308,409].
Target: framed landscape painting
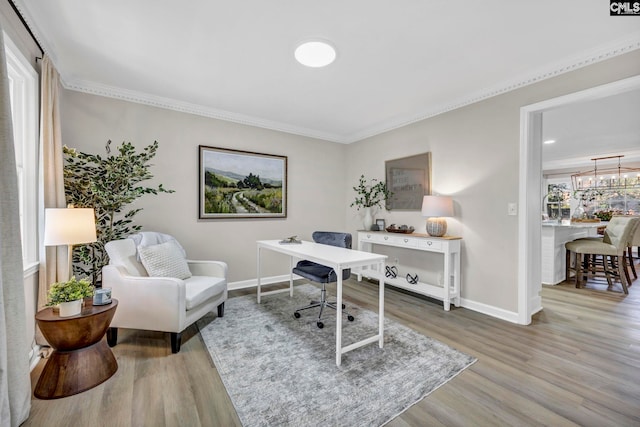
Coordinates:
[241,184]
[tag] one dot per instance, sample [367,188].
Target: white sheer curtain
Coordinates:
[53,259]
[15,383]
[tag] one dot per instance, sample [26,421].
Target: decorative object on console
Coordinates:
[380,223]
[413,280]
[435,208]
[404,229]
[370,194]
[69,226]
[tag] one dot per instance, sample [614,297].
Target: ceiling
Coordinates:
[607,126]
[398,62]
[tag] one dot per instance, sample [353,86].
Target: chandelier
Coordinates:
[608,178]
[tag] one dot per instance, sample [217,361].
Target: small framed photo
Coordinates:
[380,224]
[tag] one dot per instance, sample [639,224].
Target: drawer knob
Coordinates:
[406,240]
[386,237]
[368,235]
[429,243]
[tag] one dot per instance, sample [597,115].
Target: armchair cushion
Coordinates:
[198,289]
[164,260]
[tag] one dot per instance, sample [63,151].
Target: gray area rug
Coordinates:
[281,371]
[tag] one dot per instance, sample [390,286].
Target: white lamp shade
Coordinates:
[69,226]
[437,206]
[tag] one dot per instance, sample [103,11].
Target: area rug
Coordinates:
[281,371]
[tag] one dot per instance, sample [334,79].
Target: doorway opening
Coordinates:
[530,197]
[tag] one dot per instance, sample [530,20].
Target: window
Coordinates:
[23,90]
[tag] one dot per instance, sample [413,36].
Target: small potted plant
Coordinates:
[68,295]
[370,194]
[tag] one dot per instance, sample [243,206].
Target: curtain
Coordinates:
[53,259]
[15,382]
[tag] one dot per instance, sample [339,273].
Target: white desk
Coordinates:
[339,259]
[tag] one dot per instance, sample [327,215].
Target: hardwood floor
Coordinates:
[578,363]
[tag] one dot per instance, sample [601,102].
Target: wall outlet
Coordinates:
[512,208]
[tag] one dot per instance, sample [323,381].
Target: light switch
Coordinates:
[512,209]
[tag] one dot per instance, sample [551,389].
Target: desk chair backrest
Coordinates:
[341,240]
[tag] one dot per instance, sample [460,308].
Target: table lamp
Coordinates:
[435,208]
[69,226]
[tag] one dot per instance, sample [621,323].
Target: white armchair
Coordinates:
[166,304]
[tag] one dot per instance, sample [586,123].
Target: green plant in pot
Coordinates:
[108,184]
[68,295]
[368,195]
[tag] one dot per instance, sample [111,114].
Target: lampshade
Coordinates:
[69,226]
[437,206]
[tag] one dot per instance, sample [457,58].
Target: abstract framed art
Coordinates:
[241,184]
[409,178]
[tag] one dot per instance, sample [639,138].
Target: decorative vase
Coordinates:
[70,308]
[368,219]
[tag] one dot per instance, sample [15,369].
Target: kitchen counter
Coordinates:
[554,236]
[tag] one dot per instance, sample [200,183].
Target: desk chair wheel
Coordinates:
[350,318]
[296,315]
[344,306]
[320,324]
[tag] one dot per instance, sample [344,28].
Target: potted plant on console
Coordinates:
[370,194]
[68,295]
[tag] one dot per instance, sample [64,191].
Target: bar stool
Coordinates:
[612,247]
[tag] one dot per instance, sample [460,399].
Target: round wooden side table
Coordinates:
[81,359]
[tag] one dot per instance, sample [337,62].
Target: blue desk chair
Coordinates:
[321,274]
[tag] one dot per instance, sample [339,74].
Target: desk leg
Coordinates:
[339,319]
[381,307]
[258,272]
[291,277]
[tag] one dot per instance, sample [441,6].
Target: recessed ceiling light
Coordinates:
[315,54]
[550,141]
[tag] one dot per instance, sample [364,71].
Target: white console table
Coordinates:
[448,292]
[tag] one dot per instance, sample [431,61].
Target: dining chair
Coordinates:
[612,248]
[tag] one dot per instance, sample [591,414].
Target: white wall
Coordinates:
[316,176]
[475,155]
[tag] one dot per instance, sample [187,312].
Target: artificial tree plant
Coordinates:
[108,184]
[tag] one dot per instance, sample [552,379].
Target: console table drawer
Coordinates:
[433,245]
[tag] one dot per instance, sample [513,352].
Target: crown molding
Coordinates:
[593,56]
[190,108]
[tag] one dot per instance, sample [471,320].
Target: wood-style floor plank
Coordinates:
[578,363]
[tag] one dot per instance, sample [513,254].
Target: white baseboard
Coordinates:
[489,310]
[34,356]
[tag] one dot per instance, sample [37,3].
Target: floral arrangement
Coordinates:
[70,290]
[607,214]
[370,194]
